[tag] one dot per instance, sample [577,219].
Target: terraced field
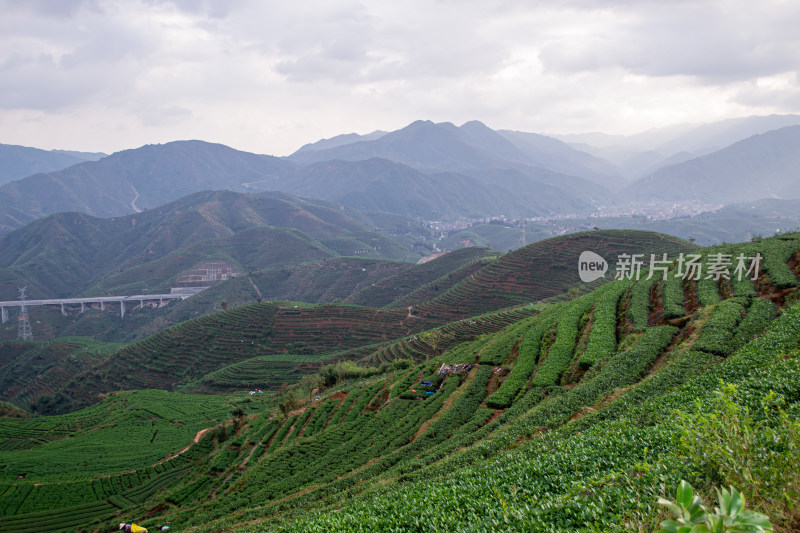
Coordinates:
[92,463]
[573,416]
[542,270]
[31,370]
[191,350]
[436,275]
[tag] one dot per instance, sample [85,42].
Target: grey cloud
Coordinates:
[59,9]
[712,42]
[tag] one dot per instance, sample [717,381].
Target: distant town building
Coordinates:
[206,274]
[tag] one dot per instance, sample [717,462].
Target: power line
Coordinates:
[24,331]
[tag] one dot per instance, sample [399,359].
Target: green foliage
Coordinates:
[730,515]
[719,332]
[639,310]
[708,292]
[527,359]
[672,293]
[561,353]
[760,313]
[603,337]
[732,443]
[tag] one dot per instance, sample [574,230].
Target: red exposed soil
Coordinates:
[657,305]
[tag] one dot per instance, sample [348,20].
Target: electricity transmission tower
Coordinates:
[522,235]
[24,331]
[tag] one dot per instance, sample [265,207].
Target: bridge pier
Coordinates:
[83,307]
[102,305]
[63,310]
[4,312]
[122,308]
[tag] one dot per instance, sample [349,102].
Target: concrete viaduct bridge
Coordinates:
[158,300]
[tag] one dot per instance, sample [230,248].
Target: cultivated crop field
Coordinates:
[570,416]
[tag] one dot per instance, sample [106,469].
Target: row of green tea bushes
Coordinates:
[743,284]
[432,289]
[776,253]
[782,337]
[463,436]
[708,292]
[277,441]
[364,400]
[719,331]
[686,366]
[301,424]
[639,309]
[407,379]
[345,406]
[59,512]
[191,491]
[672,294]
[527,359]
[324,460]
[458,414]
[603,336]
[562,351]
[759,315]
[320,417]
[59,520]
[266,442]
[497,351]
[623,369]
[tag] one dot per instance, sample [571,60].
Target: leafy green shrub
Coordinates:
[603,337]
[639,311]
[527,359]
[729,516]
[708,292]
[718,333]
[759,449]
[672,292]
[759,315]
[563,348]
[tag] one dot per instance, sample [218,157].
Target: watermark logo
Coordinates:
[591,267]
[716,266]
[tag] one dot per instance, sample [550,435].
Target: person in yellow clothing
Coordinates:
[132,528]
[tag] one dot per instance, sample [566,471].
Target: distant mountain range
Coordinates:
[762,166]
[453,179]
[17,162]
[431,171]
[639,155]
[432,148]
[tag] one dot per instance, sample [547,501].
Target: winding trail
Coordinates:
[133,202]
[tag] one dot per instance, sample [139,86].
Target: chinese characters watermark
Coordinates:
[690,266]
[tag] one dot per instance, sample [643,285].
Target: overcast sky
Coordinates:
[267,76]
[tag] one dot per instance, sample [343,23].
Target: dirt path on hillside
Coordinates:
[195,440]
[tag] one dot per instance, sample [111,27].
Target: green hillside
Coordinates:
[542,270]
[574,416]
[71,254]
